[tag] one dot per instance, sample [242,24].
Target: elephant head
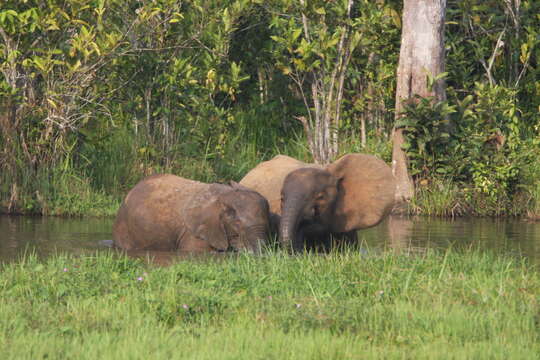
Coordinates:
[308,199]
[234,220]
[354,192]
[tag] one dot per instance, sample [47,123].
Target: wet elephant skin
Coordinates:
[354,192]
[169,213]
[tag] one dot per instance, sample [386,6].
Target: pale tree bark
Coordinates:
[421,55]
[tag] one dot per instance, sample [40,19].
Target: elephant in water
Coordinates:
[170,213]
[354,192]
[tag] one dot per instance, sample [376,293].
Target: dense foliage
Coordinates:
[95,94]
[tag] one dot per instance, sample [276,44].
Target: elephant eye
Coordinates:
[230,213]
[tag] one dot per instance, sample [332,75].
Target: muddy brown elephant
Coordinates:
[354,192]
[170,213]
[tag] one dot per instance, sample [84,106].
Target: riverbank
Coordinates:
[74,195]
[434,201]
[453,304]
[98,192]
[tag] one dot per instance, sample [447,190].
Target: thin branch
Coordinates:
[522,72]
[307,129]
[305,22]
[488,67]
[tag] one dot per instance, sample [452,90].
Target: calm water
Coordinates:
[46,236]
[514,237]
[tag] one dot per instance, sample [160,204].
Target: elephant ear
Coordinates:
[210,227]
[365,191]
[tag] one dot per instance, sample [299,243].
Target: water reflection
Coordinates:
[46,236]
[416,234]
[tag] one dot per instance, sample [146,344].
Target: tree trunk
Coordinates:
[363,136]
[421,54]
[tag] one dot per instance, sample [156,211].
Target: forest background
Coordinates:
[96,94]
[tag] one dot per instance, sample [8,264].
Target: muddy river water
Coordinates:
[516,237]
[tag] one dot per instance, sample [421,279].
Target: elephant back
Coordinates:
[267,178]
[152,212]
[366,191]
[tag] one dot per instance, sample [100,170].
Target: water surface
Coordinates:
[514,237]
[50,235]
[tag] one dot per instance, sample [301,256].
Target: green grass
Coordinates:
[440,198]
[456,304]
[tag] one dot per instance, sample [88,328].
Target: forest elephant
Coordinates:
[354,192]
[170,213]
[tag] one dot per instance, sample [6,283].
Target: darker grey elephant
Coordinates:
[167,212]
[355,192]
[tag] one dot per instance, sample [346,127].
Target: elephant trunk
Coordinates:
[290,220]
[254,239]
[256,243]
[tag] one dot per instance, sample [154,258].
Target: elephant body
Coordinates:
[354,192]
[170,213]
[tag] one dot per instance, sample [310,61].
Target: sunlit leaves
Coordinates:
[84,43]
[8,18]
[176,17]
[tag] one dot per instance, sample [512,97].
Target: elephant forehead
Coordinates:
[253,215]
[310,179]
[247,201]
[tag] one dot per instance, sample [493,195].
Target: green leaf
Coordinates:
[277,39]
[404,123]
[295,34]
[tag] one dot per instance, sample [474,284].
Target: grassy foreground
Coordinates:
[449,305]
